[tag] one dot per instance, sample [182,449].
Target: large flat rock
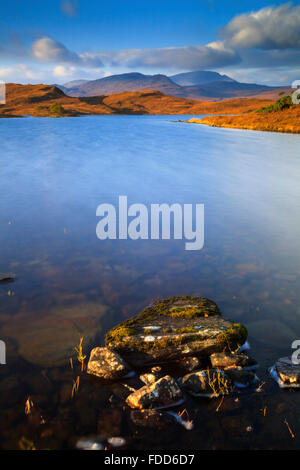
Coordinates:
[174,328]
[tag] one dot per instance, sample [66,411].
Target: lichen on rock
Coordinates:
[107,364]
[161,394]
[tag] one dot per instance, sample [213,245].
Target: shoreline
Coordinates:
[240,123]
[211,121]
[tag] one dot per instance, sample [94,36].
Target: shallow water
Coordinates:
[53,175]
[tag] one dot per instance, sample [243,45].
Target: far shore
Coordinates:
[281,116]
[285,122]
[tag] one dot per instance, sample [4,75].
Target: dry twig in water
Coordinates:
[289,428]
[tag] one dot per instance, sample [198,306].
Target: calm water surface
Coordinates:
[53,175]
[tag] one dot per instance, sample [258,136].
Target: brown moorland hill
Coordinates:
[155,102]
[37,100]
[281,116]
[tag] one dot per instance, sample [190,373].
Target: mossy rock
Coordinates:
[175,327]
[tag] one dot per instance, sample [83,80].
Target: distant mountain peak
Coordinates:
[74,83]
[200,77]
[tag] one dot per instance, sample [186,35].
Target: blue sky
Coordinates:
[61,40]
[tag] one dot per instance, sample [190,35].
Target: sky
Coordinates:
[61,40]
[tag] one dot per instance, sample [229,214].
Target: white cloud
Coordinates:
[63,71]
[268,42]
[48,50]
[20,73]
[23,73]
[269,76]
[268,28]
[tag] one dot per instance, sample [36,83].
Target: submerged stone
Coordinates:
[89,444]
[107,364]
[116,441]
[209,382]
[109,422]
[241,377]
[150,418]
[174,328]
[226,359]
[161,394]
[288,372]
[51,342]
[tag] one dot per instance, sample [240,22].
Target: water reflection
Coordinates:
[55,172]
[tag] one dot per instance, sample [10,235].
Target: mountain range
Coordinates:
[201,85]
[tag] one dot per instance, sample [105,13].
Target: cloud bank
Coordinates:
[267,29]
[215,54]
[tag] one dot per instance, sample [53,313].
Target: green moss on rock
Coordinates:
[119,332]
[188,329]
[180,307]
[185,307]
[189,313]
[236,334]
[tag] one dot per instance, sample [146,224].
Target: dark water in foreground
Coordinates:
[53,175]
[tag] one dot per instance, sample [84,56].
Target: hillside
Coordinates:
[281,116]
[36,100]
[282,121]
[204,86]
